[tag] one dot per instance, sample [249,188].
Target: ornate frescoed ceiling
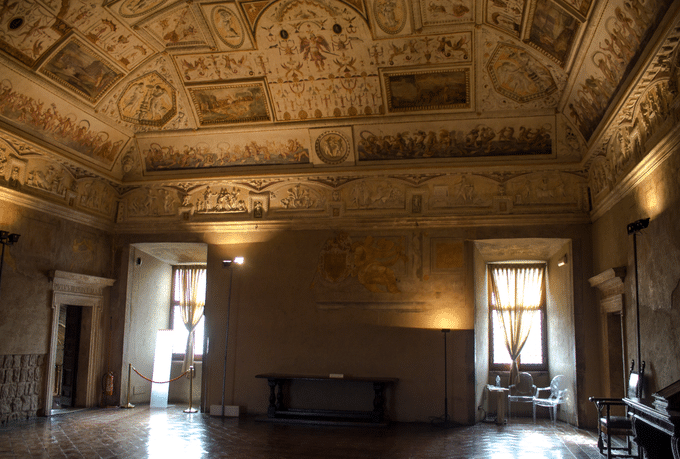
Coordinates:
[152,108]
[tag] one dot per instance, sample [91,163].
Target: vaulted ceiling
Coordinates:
[141,93]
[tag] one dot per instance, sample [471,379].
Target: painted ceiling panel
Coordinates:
[424,79]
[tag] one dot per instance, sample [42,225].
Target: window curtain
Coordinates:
[192,303]
[517,294]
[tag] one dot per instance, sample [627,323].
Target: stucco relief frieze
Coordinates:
[299,197]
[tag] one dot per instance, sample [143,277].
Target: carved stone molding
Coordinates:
[88,292]
[610,285]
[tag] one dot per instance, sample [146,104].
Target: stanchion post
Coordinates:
[191,391]
[128,405]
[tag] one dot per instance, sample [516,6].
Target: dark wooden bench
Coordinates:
[278,410]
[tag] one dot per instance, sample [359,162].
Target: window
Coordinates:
[180,332]
[522,286]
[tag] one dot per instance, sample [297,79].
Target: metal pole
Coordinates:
[129,405]
[191,391]
[637,309]
[226,337]
[446,391]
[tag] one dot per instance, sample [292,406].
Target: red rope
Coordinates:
[160,382]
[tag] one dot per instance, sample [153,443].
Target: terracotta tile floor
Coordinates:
[167,434]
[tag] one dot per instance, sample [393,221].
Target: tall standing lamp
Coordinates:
[634,228]
[228,264]
[6,238]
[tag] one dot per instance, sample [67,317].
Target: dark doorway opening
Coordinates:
[68,346]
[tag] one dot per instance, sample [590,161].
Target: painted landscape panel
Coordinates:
[80,70]
[428,90]
[239,103]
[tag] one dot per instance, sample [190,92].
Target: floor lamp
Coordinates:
[228,264]
[445,420]
[634,228]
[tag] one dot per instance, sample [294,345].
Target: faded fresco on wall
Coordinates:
[373,261]
[237,103]
[214,150]
[552,30]
[27,30]
[625,30]
[148,100]
[517,75]
[505,15]
[462,139]
[57,122]
[82,71]
[428,90]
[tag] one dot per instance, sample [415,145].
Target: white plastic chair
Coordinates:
[557,397]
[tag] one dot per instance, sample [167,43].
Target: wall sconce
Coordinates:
[6,238]
[563,261]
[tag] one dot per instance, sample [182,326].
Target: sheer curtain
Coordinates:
[517,294]
[191,301]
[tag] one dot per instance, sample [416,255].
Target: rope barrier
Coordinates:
[161,382]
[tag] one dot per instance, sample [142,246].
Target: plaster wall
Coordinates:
[482,377]
[657,196]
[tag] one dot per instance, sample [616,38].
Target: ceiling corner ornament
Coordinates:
[148,100]
[332,148]
[518,75]
[390,15]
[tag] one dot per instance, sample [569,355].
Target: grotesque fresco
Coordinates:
[228,27]
[505,15]
[332,147]
[390,15]
[438,12]
[177,28]
[78,68]
[624,30]
[134,8]
[27,30]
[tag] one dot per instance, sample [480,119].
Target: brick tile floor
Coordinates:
[167,434]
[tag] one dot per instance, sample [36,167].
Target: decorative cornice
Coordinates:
[81,284]
[610,284]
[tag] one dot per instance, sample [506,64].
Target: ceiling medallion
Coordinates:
[332,148]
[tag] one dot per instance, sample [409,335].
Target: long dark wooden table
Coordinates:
[278,410]
[656,431]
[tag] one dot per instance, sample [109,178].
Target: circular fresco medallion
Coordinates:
[228,27]
[132,8]
[390,15]
[332,148]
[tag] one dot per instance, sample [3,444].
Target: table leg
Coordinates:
[279,396]
[271,410]
[378,402]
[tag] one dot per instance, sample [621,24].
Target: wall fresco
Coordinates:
[81,70]
[238,149]
[390,15]
[625,29]
[466,139]
[55,121]
[135,8]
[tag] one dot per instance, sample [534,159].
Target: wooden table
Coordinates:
[656,431]
[278,410]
